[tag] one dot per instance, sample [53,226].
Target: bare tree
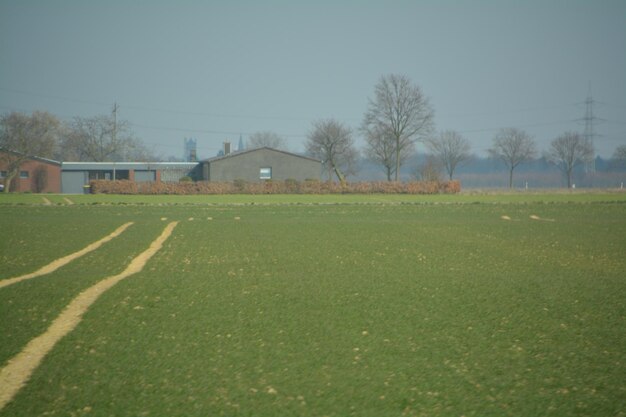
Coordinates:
[135,150]
[569,150]
[513,146]
[267,139]
[102,138]
[400,111]
[620,153]
[381,147]
[450,148]
[91,139]
[23,136]
[428,170]
[332,142]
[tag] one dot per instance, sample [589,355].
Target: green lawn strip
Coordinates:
[35,236]
[21,198]
[498,196]
[59,199]
[357,310]
[28,307]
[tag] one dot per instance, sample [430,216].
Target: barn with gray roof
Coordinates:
[261,164]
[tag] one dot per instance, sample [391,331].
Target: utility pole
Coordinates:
[114,134]
[114,122]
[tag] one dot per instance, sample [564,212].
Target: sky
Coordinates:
[218,70]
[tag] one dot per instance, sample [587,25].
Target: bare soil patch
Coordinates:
[535,217]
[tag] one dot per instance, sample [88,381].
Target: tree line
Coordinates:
[399,115]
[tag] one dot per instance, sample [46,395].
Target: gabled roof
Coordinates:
[35,158]
[239,153]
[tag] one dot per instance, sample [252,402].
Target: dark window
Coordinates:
[120,174]
[23,174]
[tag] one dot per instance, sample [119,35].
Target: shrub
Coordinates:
[274,187]
[113,187]
[292,186]
[239,184]
[451,187]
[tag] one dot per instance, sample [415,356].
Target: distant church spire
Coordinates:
[190,150]
[240,146]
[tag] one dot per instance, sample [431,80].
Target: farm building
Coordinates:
[76,175]
[43,175]
[260,164]
[35,174]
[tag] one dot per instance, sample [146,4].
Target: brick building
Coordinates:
[37,175]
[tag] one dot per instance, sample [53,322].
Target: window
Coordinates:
[99,175]
[265,174]
[24,174]
[3,174]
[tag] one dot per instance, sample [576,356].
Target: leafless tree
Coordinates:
[332,143]
[513,146]
[381,148]
[620,153]
[135,150]
[100,139]
[400,111]
[428,170]
[23,136]
[569,150]
[268,139]
[450,148]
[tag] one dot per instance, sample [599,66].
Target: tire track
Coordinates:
[17,371]
[54,265]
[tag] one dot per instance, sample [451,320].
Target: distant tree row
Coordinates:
[399,116]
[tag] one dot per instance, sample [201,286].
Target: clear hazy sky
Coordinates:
[213,70]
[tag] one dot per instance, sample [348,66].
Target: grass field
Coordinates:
[335,305]
[496,196]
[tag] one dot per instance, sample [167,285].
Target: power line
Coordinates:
[215,132]
[590,117]
[155,109]
[266,117]
[30,93]
[492,129]
[619,106]
[509,111]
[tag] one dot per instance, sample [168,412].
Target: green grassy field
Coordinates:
[357,306]
[496,196]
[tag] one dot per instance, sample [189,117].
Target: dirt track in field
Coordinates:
[54,265]
[19,368]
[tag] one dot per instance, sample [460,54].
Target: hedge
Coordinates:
[274,187]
